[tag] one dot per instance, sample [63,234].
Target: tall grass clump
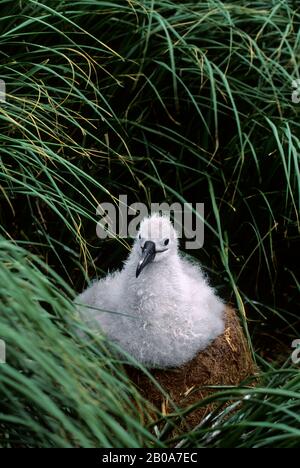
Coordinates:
[161,101]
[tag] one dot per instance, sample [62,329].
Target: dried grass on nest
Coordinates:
[227,361]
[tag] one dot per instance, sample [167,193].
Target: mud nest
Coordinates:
[227,361]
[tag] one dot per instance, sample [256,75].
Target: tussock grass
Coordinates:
[162,101]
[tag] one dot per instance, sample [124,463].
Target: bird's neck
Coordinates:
[156,279]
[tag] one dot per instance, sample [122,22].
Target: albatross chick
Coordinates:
[166,310]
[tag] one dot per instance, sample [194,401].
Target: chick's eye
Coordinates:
[166,242]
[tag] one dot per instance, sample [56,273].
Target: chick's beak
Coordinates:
[147,256]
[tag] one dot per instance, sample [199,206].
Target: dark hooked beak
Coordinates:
[147,256]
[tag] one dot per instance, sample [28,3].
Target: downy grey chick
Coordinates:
[166,311]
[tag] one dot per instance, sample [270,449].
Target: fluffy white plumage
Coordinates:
[171,312]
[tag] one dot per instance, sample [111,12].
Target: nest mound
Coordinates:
[227,361]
